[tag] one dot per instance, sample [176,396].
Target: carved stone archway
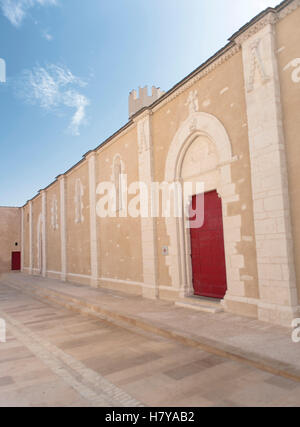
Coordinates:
[201,125]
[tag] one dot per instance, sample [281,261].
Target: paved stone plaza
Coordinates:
[54,357]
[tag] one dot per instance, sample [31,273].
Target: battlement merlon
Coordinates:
[142,99]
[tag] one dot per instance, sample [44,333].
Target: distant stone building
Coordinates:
[232,124]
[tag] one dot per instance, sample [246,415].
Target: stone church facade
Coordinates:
[234,125]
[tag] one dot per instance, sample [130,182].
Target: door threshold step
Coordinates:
[200,306]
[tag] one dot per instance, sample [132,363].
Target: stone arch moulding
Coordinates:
[208,125]
[178,260]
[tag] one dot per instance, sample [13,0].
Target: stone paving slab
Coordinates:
[55,357]
[259,344]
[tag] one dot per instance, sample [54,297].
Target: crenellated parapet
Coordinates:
[138,101]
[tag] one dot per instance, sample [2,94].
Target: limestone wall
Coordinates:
[53,231]
[288,37]
[232,125]
[221,94]
[37,236]
[10,235]
[120,248]
[78,224]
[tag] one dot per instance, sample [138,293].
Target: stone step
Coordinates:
[200,304]
[76,305]
[205,305]
[135,323]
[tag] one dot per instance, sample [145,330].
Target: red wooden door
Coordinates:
[208,253]
[16,261]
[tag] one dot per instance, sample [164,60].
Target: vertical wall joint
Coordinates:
[148,225]
[44,233]
[63,222]
[93,218]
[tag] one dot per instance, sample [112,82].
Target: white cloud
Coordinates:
[54,88]
[80,102]
[16,10]
[47,36]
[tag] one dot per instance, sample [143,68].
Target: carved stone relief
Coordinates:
[200,157]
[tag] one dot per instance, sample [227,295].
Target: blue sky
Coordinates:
[72,63]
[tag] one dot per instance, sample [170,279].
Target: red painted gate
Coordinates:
[16,261]
[208,253]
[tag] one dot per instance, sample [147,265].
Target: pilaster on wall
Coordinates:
[44,228]
[63,221]
[30,240]
[93,219]
[148,225]
[22,239]
[276,272]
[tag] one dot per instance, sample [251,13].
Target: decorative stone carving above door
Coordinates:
[201,156]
